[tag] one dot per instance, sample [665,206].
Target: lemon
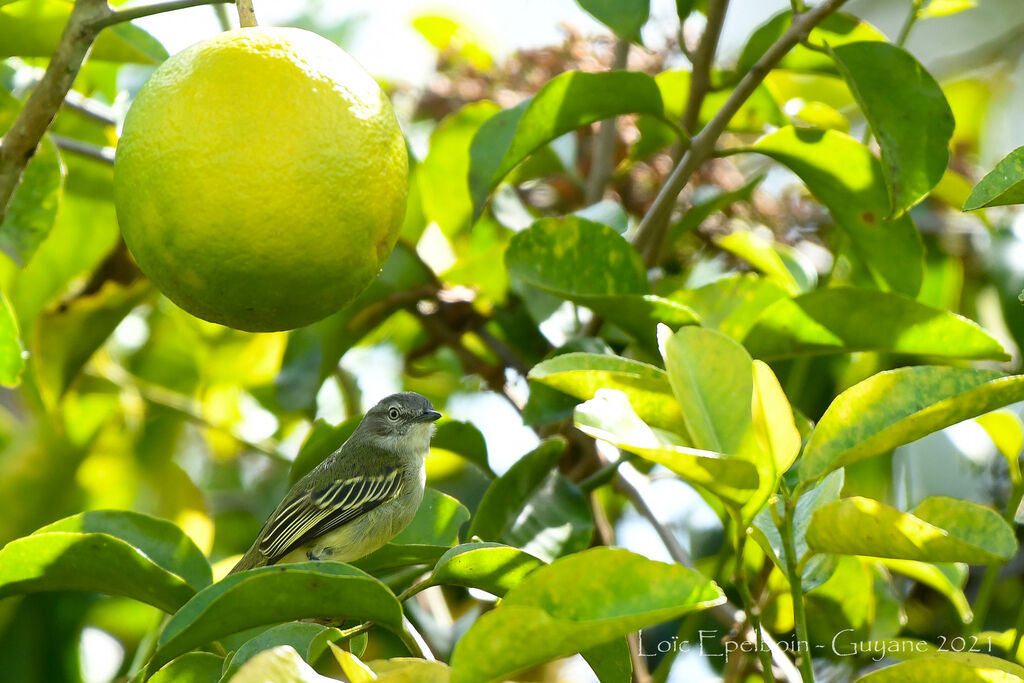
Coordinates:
[261,178]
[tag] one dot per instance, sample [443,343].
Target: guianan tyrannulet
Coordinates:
[357,499]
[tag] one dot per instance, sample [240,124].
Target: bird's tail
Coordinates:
[252,559]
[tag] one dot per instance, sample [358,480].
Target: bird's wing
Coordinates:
[319,511]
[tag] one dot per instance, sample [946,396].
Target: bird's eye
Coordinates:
[393,413]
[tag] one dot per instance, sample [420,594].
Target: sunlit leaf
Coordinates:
[1003,185]
[12,353]
[898,406]
[624,17]
[491,567]
[193,667]
[281,664]
[836,29]
[565,103]
[297,634]
[1007,433]
[943,8]
[848,179]
[582,374]
[733,304]
[579,602]
[843,320]
[914,140]
[271,595]
[945,669]
[761,254]
[969,533]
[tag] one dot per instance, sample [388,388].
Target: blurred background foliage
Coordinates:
[127,402]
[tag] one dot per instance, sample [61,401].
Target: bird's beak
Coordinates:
[429,416]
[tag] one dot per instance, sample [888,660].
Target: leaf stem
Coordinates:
[651,232]
[908,23]
[749,606]
[246,14]
[785,525]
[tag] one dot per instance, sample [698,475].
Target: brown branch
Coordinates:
[650,234]
[603,153]
[703,58]
[246,15]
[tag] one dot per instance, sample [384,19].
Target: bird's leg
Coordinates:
[310,555]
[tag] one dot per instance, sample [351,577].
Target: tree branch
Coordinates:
[650,234]
[133,13]
[246,15]
[104,154]
[700,78]
[603,153]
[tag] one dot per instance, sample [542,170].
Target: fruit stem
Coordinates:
[246,14]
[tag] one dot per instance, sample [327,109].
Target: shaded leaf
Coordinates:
[914,140]
[843,320]
[323,440]
[1001,186]
[533,507]
[582,374]
[565,103]
[463,439]
[848,180]
[898,406]
[945,579]
[611,662]
[577,603]
[297,634]
[433,530]
[863,526]
[624,17]
[161,541]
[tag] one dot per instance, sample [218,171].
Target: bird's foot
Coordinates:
[310,555]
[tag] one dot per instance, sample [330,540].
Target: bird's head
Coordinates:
[402,421]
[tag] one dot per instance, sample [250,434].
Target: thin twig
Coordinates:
[246,15]
[603,150]
[908,23]
[704,57]
[100,113]
[133,13]
[797,6]
[104,154]
[652,229]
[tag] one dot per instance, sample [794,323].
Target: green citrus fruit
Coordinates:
[261,178]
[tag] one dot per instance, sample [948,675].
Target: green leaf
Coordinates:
[863,526]
[733,304]
[609,417]
[760,253]
[624,17]
[611,662]
[945,579]
[942,668]
[88,562]
[463,439]
[66,337]
[33,29]
[193,667]
[298,634]
[490,567]
[757,111]
[270,595]
[577,603]
[592,265]
[848,180]
[1007,432]
[818,568]
[582,374]
[774,424]
[844,320]
[533,507]
[914,140]
[444,172]
[12,353]
[565,103]
[1002,186]
[898,406]
[323,439]
[711,377]
[700,211]
[33,207]
[835,29]
[159,540]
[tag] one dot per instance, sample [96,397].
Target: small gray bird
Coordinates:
[360,497]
